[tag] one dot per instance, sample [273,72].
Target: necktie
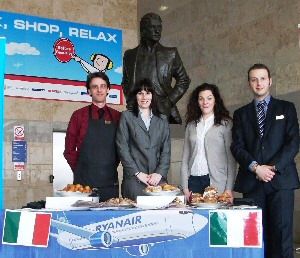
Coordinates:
[101,112]
[261,116]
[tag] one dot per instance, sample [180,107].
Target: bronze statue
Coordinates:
[159,64]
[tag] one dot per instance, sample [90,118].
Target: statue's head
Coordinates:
[150,27]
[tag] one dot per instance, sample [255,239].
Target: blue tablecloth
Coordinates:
[127,233]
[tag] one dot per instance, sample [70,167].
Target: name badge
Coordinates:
[107,122]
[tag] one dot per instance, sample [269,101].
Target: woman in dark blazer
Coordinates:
[143,142]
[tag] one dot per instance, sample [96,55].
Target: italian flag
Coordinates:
[235,228]
[26,228]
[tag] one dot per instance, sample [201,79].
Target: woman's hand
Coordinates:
[154,179]
[187,194]
[230,192]
[143,177]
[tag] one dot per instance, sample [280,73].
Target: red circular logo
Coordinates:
[63,50]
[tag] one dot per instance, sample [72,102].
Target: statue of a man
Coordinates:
[159,64]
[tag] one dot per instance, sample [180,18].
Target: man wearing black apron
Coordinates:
[94,160]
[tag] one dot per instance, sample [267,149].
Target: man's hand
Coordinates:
[154,179]
[265,172]
[143,177]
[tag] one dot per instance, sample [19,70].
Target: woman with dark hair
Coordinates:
[143,141]
[207,159]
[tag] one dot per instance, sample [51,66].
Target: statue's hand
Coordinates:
[165,105]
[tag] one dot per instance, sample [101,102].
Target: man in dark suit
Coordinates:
[265,142]
[159,64]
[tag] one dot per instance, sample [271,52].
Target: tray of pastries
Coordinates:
[163,189]
[74,190]
[210,199]
[119,202]
[113,203]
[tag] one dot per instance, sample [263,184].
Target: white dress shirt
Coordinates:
[146,121]
[200,166]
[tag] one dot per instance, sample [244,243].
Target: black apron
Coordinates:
[96,164]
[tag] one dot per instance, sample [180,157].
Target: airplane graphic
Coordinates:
[135,232]
[17,65]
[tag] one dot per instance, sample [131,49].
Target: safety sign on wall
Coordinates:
[19,134]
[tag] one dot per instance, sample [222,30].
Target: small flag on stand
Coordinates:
[26,228]
[235,228]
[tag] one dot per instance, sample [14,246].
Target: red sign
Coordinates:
[19,134]
[19,166]
[64,50]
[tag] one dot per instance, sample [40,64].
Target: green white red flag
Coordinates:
[26,228]
[235,228]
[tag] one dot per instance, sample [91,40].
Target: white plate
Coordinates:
[129,205]
[104,208]
[148,207]
[67,209]
[209,205]
[70,194]
[78,208]
[163,193]
[113,207]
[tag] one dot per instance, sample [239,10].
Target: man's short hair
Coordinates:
[101,75]
[258,66]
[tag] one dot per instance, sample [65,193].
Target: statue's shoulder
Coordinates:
[131,51]
[169,51]
[161,48]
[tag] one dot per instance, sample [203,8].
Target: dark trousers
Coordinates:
[197,184]
[278,208]
[106,193]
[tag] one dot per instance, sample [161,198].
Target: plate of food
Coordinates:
[118,202]
[210,199]
[62,193]
[163,193]
[162,190]
[206,205]
[77,190]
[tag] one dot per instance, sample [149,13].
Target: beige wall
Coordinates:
[217,40]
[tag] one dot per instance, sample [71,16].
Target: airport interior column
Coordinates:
[2,68]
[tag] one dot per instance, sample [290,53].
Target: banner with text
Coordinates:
[50,59]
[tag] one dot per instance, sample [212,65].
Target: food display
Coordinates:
[178,201]
[119,201]
[151,189]
[77,188]
[163,189]
[210,195]
[196,198]
[72,190]
[224,198]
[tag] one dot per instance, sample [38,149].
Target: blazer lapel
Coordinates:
[141,123]
[270,114]
[153,125]
[253,117]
